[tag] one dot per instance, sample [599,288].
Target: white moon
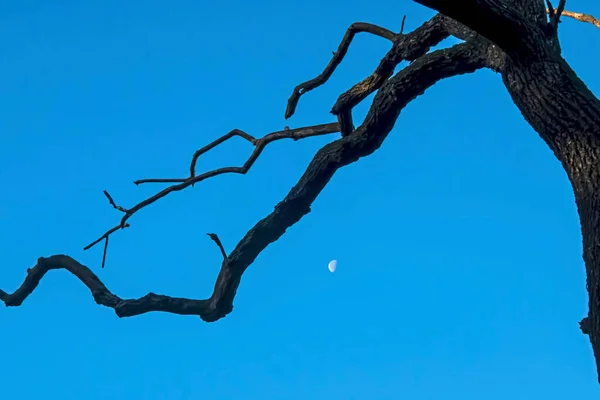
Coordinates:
[332,265]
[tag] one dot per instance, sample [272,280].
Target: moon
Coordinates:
[332,265]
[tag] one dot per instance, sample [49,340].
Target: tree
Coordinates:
[515,38]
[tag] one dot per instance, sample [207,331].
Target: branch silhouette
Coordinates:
[393,95]
[515,38]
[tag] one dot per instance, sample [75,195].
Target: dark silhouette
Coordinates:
[516,38]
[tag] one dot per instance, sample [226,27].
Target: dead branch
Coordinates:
[393,96]
[590,19]
[498,34]
[260,144]
[337,58]
[405,48]
[217,241]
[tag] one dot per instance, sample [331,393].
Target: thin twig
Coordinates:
[403,49]
[198,153]
[216,239]
[112,203]
[105,248]
[106,234]
[555,14]
[550,10]
[577,16]
[337,58]
[260,144]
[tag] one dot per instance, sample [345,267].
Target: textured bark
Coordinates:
[561,109]
[564,112]
[512,37]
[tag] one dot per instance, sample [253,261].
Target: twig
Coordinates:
[405,47]
[105,248]
[337,58]
[394,96]
[260,144]
[106,234]
[554,14]
[198,153]
[112,203]
[216,239]
[577,16]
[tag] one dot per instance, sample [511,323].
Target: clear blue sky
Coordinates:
[460,273]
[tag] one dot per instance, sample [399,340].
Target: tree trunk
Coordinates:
[566,115]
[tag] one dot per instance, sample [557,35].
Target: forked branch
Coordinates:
[182,183]
[337,58]
[405,47]
[393,96]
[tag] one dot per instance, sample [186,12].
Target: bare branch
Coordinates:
[402,26]
[112,203]
[577,16]
[394,95]
[216,239]
[405,48]
[106,234]
[337,58]
[260,144]
[104,253]
[224,138]
[102,296]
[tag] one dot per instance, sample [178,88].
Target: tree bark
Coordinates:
[512,37]
[556,103]
[566,115]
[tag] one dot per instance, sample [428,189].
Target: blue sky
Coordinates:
[460,273]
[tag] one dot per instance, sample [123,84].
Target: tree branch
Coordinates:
[406,47]
[579,17]
[394,95]
[260,144]
[217,241]
[337,58]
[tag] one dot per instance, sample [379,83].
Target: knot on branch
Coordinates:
[585,326]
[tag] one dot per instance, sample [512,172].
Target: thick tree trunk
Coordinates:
[557,104]
[566,114]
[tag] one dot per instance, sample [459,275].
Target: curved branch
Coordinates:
[395,94]
[406,47]
[260,144]
[337,58]
[502,24]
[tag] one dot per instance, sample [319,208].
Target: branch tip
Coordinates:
[553,12]
[105,248]
[216,239]
[112,203]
